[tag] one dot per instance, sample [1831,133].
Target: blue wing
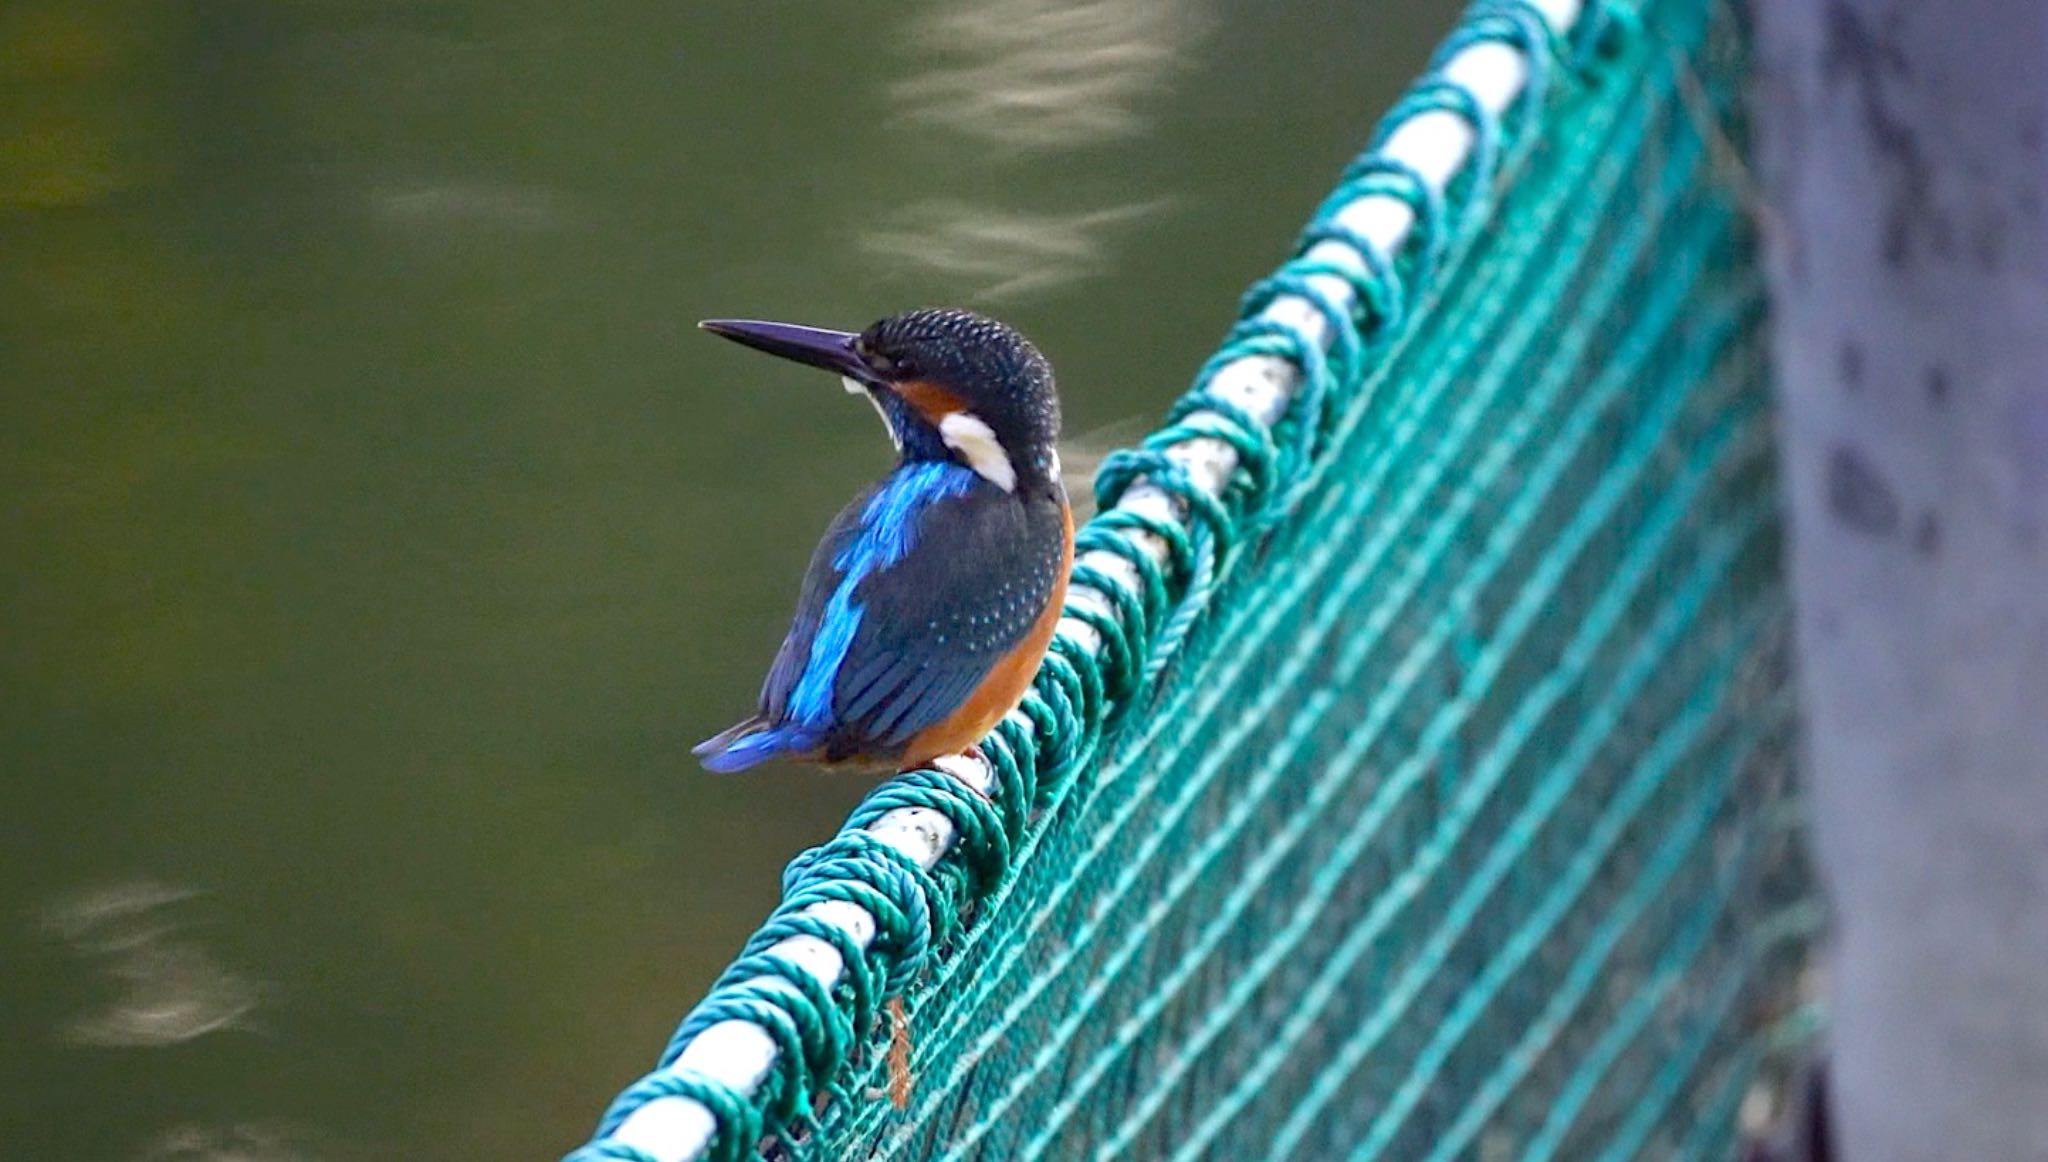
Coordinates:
[771,732]
[937,620]
[888,640]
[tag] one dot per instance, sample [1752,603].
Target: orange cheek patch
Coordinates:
[932,401]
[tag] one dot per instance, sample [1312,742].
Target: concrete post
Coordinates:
[1901,147]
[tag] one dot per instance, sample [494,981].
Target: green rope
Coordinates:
[1311,802]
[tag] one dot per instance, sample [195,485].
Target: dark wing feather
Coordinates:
[935,623]
[862,691]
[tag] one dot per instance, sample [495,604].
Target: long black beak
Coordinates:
[812,346]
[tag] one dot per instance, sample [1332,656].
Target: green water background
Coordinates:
[376,533]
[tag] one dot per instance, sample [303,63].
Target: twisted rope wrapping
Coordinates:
[825,1036]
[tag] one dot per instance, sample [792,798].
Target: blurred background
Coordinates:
[377,534]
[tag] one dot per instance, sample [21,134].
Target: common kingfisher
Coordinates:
[933,595]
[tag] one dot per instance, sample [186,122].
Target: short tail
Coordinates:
[751,743]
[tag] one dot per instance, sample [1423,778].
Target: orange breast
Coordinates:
[1005,685]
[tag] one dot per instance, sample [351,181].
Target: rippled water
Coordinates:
[378,534]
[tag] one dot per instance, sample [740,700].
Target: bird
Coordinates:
[933,596]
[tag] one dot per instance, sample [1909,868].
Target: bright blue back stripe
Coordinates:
[888,533]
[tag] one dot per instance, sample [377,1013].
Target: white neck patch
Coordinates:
[856,387]
[976,441]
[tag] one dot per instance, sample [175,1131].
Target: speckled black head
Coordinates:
[950,384]
[992,372]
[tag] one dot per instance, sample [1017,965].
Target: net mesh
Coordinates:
[1456,822]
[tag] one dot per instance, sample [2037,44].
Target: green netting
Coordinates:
[1435,802]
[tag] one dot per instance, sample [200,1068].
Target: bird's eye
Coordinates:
[879,363]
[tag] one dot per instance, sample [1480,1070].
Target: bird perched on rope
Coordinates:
[933,596]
